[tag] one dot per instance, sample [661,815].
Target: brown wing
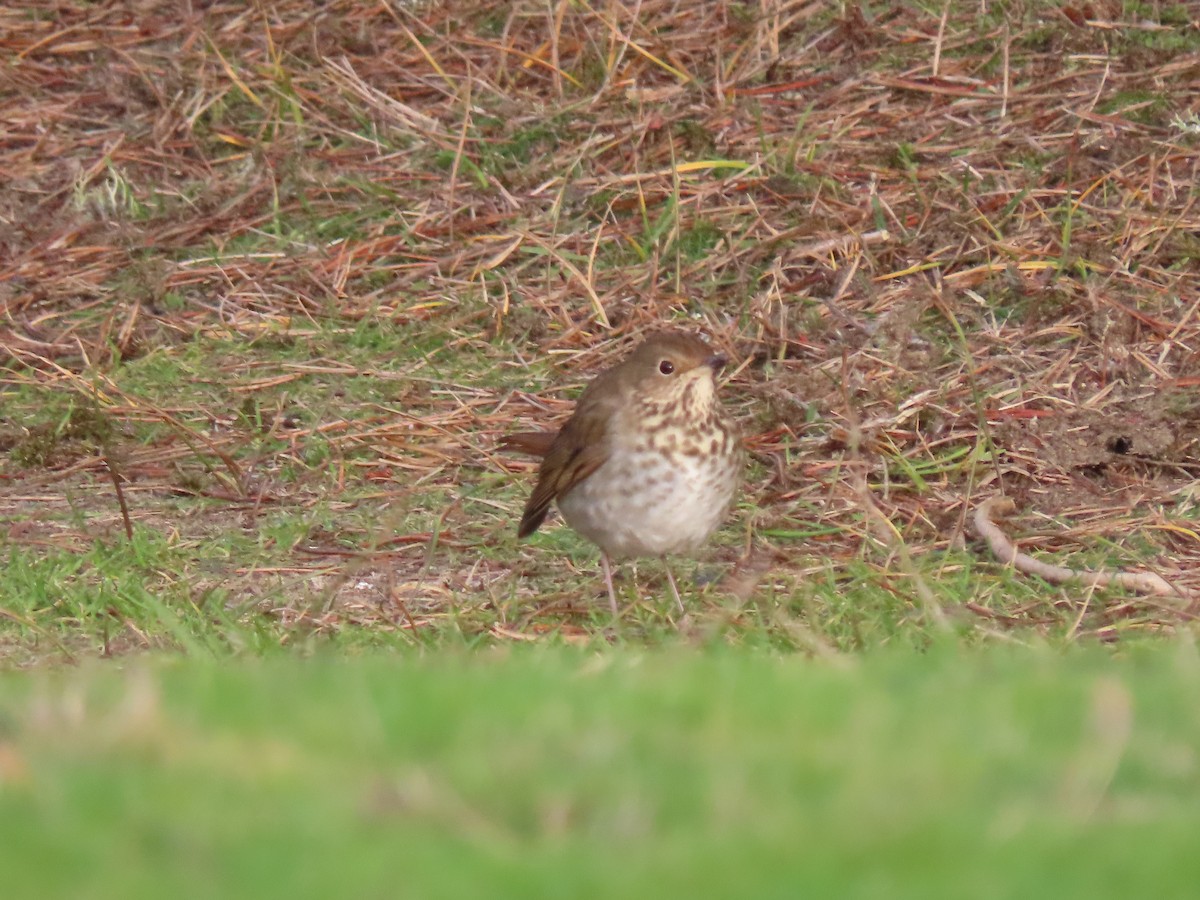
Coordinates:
[555,479]
[577,451]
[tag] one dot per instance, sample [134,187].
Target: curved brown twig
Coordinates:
[1005,551]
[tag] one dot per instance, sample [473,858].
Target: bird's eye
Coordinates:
[666,367]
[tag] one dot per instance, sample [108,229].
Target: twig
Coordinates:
[116,480]
[1006,551]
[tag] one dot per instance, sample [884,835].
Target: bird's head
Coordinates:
[673,367]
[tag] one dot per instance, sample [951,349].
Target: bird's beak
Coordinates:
[717,361]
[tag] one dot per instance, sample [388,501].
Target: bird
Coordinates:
[649,462]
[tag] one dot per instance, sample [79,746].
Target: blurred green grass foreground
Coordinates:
[999,772]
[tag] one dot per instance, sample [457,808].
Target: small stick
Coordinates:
[116,480]
[1006,551]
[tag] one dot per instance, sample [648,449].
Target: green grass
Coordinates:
[1005,773]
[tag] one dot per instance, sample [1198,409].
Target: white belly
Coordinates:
[647,505]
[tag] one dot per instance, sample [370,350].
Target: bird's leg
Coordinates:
[612,594]
[674,588]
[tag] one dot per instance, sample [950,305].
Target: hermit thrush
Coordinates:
[648,463]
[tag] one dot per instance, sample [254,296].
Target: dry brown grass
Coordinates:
[956,254]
